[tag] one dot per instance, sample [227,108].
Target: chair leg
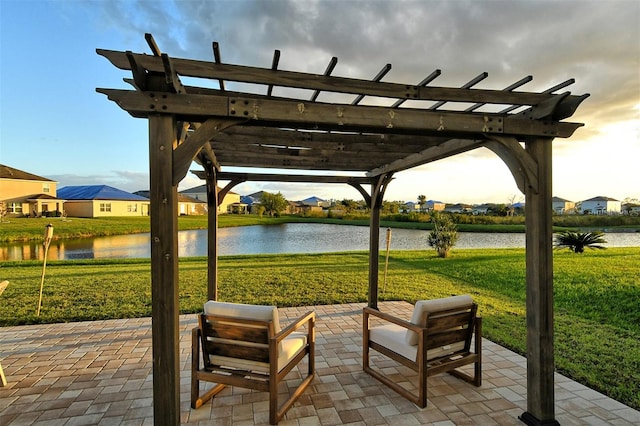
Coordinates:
[3,380]
[199,401]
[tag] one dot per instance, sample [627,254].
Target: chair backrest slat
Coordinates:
[438,340]
[460,319]
[235,338]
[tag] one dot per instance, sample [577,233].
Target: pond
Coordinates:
[263,239]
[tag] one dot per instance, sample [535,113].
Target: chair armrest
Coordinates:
[390,318]
[298,323]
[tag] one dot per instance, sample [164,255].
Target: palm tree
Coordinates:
[422,199]
[577,241]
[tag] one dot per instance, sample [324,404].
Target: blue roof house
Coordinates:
[102,201]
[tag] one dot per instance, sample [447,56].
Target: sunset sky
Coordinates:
[54,124]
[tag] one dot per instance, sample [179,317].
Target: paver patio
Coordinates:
[99,372]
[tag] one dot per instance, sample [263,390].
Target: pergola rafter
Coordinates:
[362,145]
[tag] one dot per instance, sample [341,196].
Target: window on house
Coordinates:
[132,208]
[15,207]
[46,188]
[105,207]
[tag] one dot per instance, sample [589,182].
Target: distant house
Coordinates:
[411,206]
[631,209]
[252,201]
[26,194]
[481,209]
[186,205]
[458,208]
[102,201]
[294,207]
[435,206]
[316,202]
[601,205]
[200,193]
[562,206]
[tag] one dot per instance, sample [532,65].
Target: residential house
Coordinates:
[102,201]
[186,205]
[200,193]
[252,201]
[316,202]
[26,194]
[481,209]
[562,206]
[601,205]
[410,207]
[458,208]
[435,206]
[294,207]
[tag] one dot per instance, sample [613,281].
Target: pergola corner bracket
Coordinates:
[184,153]
[522,166]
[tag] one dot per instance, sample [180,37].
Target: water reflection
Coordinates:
[259,239]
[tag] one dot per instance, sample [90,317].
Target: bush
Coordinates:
[444,234]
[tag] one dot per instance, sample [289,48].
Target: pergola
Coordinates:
[401,126]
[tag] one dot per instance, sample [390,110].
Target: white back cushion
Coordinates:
[424,307]
[241,310]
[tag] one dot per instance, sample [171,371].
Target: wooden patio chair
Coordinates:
[436,340]
[243,345]
[3,379]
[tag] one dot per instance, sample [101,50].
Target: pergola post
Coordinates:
[539,269]
[164,271]
[377,195]
[212,241]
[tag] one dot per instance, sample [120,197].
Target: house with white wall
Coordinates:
[601,205]
[200,193]
[562,206]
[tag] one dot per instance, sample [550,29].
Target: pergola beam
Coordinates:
[267,76]
[284,113]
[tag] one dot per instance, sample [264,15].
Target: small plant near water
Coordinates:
[444,234]
[577,241]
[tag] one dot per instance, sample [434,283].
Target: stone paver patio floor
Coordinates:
[99,372]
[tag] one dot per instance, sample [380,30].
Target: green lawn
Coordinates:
[597,296]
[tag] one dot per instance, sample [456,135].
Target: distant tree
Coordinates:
[422,200]
[577,241]
[273,204]
[3,210]
[391,207]
[349,206]
[444,234]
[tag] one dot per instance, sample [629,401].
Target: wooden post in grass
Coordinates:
[386,262]
[48,234]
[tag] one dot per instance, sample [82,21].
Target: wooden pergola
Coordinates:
[401,126]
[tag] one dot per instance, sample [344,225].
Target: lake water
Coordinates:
[259,239]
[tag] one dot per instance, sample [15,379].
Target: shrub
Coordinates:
[577,241]
[444,234]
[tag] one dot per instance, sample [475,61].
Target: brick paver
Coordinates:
[99,373]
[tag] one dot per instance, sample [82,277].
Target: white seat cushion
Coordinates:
[424,307]
[241,310]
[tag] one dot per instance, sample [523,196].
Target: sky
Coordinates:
[54,124]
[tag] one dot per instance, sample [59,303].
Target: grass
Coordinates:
[597,296]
